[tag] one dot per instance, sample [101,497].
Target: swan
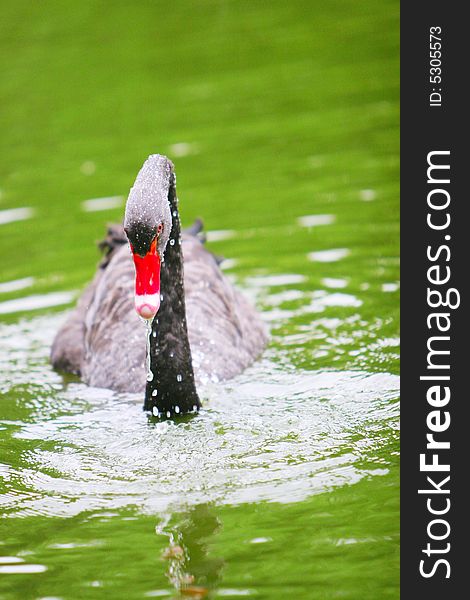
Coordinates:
[201,328]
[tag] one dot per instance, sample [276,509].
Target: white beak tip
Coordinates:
[147,306]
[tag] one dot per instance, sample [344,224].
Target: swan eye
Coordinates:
[159,228]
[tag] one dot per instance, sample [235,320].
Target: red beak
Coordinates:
[147,282]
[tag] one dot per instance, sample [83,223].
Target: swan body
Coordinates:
[203,328]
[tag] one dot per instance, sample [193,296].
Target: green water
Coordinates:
[282,121]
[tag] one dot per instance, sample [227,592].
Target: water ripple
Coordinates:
[271,434]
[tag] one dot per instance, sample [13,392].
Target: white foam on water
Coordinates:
[275,280]
[15,214]
[316,220]
[220,235]
[21,569]
[228,263]
[331,282]
[10,560]
[16,284]
[326,256]
[287,434]
[182,149]
[36,302]
[337,299]
[390,287]
[98,204]
[367,195]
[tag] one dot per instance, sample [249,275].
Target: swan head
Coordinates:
[147,223]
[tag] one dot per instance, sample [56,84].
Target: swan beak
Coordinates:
[147,283]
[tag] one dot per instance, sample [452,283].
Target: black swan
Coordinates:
[202,328]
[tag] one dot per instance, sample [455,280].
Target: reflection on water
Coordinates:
[315,220]
[190,569]
[16,285]
[328,256]
[36,302]
[218,236]
[11,215]
[273,434]
[15,569]
[98,204]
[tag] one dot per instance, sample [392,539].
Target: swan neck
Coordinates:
[171,388]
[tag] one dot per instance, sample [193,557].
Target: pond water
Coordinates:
[282,121]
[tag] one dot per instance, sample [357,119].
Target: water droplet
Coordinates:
[154,393]
[175,213]
[161,297]
[177,409]
[179,377]
[194,408]
[154,334]
[172,354]
[172,242]
[168,414]
[155,411]
[148,326]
